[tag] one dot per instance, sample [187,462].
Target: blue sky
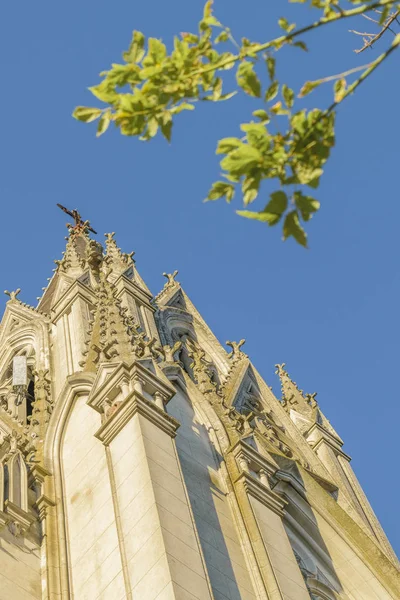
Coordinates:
[330,313]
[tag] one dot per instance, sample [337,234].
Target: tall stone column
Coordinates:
[159,549]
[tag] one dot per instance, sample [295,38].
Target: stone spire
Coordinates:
[293,396]
[119,262]
[112,334]
[72,262]
[82,259]
[304,404]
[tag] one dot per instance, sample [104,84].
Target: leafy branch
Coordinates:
[145,93]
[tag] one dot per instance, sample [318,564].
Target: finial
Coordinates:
[109,236]
[280,369]
[171,277]
[80,224]
[236,348]
[311,399]
[13,295]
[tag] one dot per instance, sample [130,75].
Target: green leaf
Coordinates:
[292,227]
[156,53]
[257,216]
[301,45]
[191,38]
[299,122]
[225,56]
[222,37]
[240,161]
[285,25]
[166,125]
[104,93]
[288,95]
[136,49]
[272,212]
[308,87]
[152,127]
[339,89]
[250,187]
[262,115]
[227,145]
[272,91]
[270,60]
[276,207]
[277,109]
[207,11]
[306,205]
[227,96]
[217,89]
[384,15]
[85,114]
[257,135]
[221,189]
[307,175]
[248,80]
[104,123]
[184,106]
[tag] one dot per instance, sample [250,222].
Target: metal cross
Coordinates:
[77,218]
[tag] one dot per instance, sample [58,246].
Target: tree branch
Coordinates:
[370,40]
[284,39]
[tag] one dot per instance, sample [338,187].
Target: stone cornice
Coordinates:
[291,480]
[173,372]
[317,435]
[262,493]
[124,284]
[77,290]
[134,404]
[123,372]
[18,516]
[42,504]
[39,473]
[254,457]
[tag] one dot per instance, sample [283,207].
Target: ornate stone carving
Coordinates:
[170,352]
[13,295]
[202,372]
[170,284]
[114,259]
[236,353]
[171,278]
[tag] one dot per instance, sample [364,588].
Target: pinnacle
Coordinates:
[115,259]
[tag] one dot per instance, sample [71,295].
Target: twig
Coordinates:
[344,74]
[374,38]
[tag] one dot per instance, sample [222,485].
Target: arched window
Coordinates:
[18,481]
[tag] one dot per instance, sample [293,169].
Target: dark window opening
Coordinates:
[30,398]
[6,483]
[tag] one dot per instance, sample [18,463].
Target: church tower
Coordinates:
[141,460]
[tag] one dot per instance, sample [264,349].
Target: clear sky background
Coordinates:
[330,312]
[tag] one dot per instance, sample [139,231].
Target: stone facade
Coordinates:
[139,459]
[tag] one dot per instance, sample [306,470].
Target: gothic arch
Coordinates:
[56,546]
[18,481]
[180,323]
[32,340]
[32,335]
